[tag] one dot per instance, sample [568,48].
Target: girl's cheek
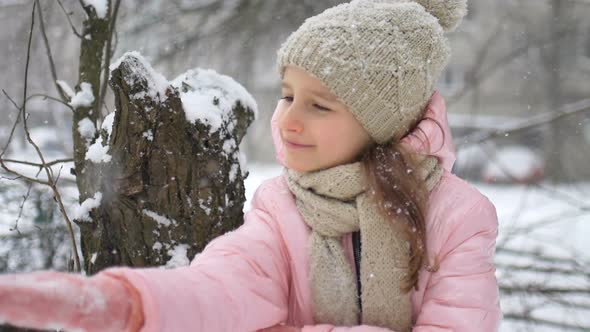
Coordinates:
[278,110]
[331,135]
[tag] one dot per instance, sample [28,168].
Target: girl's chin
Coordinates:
[303,169]
[299,167]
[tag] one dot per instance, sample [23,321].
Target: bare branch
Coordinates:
[540,269]
[21,176]
[69,20]
[20,209]
[546,322]
[108,55]
[578,107]
[20,110]
[536,288]
[570,304]
[510,233]
[24,103]
[542,257]
[48,170]
[60,91]
[48,164]
[58,174]
[50,98]
[481,74]
[471,76]
[10,179]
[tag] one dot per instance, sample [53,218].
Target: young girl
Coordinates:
[365,230]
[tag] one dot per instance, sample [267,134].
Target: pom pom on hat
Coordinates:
[449,13]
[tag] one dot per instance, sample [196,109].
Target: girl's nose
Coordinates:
[289,120]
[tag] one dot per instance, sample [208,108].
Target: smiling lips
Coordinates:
[295,145]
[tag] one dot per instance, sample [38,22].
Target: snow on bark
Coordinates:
[84,97]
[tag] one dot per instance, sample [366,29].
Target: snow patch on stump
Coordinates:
[209,97]
[141,68]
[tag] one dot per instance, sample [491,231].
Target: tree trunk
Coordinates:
[95,32]
[172,185]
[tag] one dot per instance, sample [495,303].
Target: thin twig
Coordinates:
[510,234]
[21,176]
[570,304]
[480,57]
[58,174]
[60,91]
[542,257]
[48,170]
[108,55]
[48,164]
[540,321]
[44,96]
[484,73]
[540,269]
[20,209]
[10,179]
[69,20]
[24,103]
[532,288]
[13,126]
[578,107]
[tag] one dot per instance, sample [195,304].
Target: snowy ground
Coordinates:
[552,223]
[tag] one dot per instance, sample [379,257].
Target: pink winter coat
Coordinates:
[258,275]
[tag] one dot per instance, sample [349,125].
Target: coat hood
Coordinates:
[433,128]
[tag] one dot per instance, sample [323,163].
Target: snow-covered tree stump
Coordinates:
[169,173]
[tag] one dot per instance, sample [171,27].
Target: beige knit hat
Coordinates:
[379,57]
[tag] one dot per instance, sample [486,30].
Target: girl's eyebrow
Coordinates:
[325,95]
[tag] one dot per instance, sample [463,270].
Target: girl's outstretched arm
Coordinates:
[54,300]
[238,283]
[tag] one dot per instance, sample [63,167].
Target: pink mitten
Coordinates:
[54,300]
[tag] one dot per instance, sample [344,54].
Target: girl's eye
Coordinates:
[290,99]
[321,107]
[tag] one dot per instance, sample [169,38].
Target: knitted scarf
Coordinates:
[333,203]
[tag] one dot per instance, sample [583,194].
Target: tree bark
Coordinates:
[95,32]
[162,166]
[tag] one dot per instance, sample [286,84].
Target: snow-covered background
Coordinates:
[510,63]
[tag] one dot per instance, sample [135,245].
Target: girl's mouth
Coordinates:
[296,146]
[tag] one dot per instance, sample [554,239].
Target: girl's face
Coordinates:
[318,130]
